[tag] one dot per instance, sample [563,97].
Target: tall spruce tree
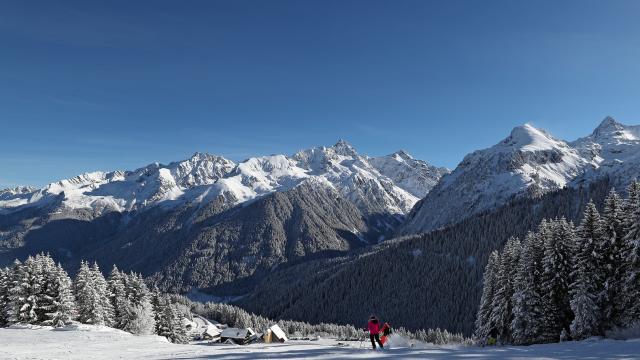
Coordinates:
[484,325]
[556,278]
[526,327]
[58,302]
[631,258]
[502,313]
[91,294]
[4,294]
[613,252]
[588,281]
[119,300]
[25,292]
[102,288]
[140,319]
[168,320]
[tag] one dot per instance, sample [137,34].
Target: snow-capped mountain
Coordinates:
[612,149]
[415,176]
[122,190]
[206,220]
[529,162]
[386,185]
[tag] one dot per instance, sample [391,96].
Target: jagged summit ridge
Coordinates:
[367,182]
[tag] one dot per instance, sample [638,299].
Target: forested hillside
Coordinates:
[561,282]
[426,281]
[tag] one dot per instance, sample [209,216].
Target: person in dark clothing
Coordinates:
[374,332]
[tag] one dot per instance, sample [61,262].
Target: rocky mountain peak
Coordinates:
[344,148]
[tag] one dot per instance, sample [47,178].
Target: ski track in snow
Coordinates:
[90,342]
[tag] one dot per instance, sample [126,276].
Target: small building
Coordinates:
[275,334]
[238,336]
[211,332]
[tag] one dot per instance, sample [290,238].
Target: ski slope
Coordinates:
[93,342]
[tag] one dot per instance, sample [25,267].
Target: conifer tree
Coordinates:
[168,320]
[484,326]
[631,258]
[58,302]
[556,278]
[140,319]
[91,295]
[4,294]
[613,252]
[587,286]
[502,313]
[527,323]
[102,288]
[119,299]
[63,309]
[25,292]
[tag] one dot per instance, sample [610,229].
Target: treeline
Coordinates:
[237,317]
[40,292]
[562,282]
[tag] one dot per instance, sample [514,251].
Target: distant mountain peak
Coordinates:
[18,190]
[401,154]
[608,126]
[204,156]
[529,138]
[342,147]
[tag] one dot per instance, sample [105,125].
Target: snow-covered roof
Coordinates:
[212,330]
[278,332]
[235,333]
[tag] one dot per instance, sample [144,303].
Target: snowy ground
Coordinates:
[89,342]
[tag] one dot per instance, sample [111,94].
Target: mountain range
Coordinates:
[229,219]
[209,222]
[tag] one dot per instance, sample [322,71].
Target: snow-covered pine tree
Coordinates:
[158,310]
[90,296]
[556,278]
[612,261]
[483,320]
[119,300]
[502,313]
[48,289]
[528,319]
[631,258]
[102,288]
[86,297]
[25,292]
[587,285]
[4,294]
[168,320]
[59,294]
[140,319]
[12,307]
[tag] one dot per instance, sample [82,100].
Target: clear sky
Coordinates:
[90,85]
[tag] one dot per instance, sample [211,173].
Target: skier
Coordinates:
[374,332]
[385,331]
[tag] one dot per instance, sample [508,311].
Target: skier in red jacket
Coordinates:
[374,332]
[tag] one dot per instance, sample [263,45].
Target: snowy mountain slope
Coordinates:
[95,342]
[413,175]
[529,162]
[612,149]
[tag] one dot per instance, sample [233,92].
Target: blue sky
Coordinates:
[118,84]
